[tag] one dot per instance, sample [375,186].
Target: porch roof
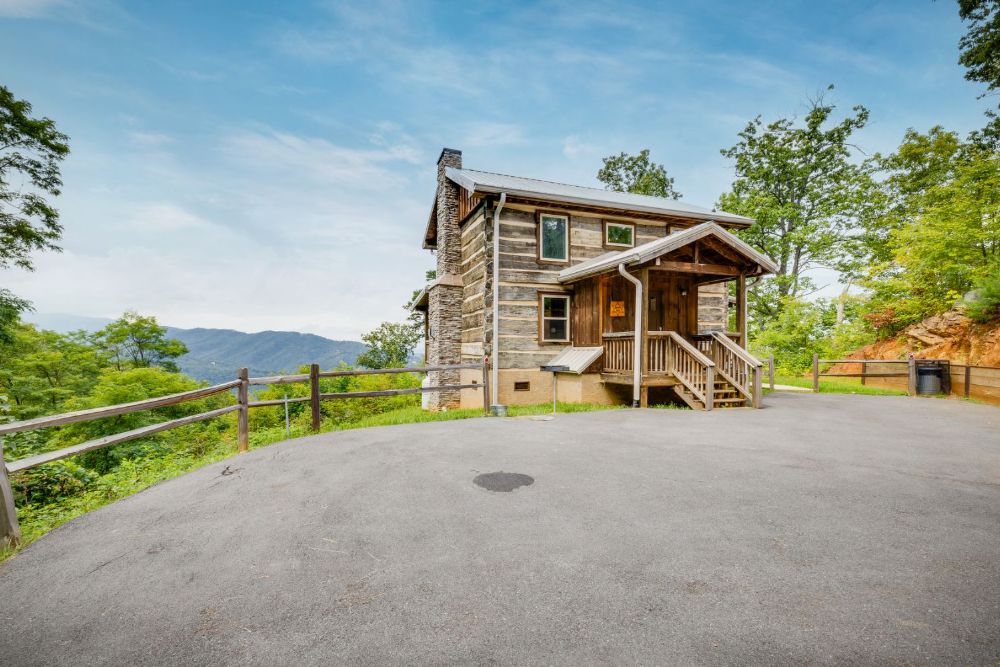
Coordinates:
[650,251]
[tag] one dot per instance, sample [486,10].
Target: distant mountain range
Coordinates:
[215,355]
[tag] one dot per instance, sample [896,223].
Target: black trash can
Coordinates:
[929,380]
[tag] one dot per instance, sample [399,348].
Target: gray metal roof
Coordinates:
[649,251]
[517,186]
[576,359]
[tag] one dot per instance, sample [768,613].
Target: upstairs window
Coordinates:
[554,318]
[619,235]
[553,237]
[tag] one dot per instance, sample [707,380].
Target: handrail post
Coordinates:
[314,395]
[757,390]
[709,387]
[10,530]
[243,420]
[815,372]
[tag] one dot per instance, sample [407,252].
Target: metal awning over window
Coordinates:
[574,359]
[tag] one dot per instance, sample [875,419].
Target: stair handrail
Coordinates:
[754,391]
[688,347]
[708,395]
[736,349]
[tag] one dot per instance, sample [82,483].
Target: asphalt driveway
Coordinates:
[823,529]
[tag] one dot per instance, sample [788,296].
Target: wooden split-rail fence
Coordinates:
[967,381]
[10,532]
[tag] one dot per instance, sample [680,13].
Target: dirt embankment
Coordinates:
[950,335]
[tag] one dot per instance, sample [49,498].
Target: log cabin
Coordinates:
[617,298]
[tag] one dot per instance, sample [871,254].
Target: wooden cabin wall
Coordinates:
[586,313]
[713,307]
[473,288]
[522,277]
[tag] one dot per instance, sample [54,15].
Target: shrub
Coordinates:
[985,306]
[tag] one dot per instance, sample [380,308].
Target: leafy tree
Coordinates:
[137,341]
[637,174]
[40,370]
[979,48]
[390,345]
[11,307]
[30,152]
[803,328]
[806,194]
[922,162]
[941,234]
[985,302]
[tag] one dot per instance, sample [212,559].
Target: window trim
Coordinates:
[618,223]
[538,236]
[542,340]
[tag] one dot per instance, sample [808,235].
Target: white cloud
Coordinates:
[24,9]
[573,147]
[263,229]
[150,139]
[483,134]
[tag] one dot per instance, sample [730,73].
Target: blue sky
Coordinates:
[271,165]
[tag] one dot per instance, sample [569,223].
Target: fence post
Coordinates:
[968,378]
[314,396]
[864,371]
[911,377]
[486,385]
[10,531]
[770,371]
[243,422]
[815,372]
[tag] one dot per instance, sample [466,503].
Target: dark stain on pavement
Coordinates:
[503,482]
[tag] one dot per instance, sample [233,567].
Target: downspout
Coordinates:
[637,346]
[495,393]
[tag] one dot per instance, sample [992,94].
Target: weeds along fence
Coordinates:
[963,380]
[10,532]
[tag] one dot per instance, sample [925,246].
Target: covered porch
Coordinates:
[641,307]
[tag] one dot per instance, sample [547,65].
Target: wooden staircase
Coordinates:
[720,374]
[726,396]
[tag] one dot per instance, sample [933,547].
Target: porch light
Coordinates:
[684,290]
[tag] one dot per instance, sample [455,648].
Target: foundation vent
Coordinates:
[524,385]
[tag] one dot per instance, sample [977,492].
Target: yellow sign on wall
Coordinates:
[617,309]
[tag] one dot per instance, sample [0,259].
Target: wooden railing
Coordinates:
[737,366]
[657,353]
[619,349]
[10,532]
[691,368]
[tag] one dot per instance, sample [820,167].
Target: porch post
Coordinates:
[644,328]
[741,309]
[637,337]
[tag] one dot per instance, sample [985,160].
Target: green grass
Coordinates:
[835,386]
[546,408]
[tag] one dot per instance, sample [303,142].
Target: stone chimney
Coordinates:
[444,312]
[449,243]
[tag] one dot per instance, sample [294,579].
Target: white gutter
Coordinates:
[496,299]
[637,325]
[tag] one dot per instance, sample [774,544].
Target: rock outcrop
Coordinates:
[950,335]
